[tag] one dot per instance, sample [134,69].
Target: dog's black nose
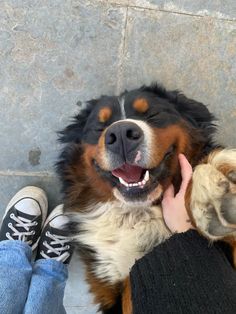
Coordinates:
[123,137]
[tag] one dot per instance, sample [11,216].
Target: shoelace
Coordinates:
[24,223]
[56,239]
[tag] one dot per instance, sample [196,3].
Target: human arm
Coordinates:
[185,274]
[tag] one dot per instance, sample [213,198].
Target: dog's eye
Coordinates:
[154,115]
[99,130]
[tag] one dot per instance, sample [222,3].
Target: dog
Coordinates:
[120,155]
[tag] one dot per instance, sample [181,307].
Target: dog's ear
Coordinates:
[74,131]
[192,111]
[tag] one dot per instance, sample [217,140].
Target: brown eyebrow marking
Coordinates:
[104,114]
[141,105]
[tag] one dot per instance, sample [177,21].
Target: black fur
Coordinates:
[73,132]
[85,128]
[193,112]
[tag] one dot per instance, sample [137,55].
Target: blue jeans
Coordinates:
[30,288]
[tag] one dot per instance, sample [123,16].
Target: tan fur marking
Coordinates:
[104,293]
[85,181]
[164,138]
[233,244]
[231,240]
[105,190]
[188,202]
[141,105]
[126,298]
[101,157]
[104,114]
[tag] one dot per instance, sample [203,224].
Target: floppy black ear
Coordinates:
[73,132]
[192,111]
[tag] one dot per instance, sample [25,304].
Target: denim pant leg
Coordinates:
[47,287]
[15,275]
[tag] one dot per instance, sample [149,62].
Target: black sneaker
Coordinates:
[54,241]
[25,215]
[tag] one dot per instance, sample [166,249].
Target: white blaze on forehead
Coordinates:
[122,107]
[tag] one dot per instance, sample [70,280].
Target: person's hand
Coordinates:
[174,210]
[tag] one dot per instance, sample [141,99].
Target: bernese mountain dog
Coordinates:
[121,153]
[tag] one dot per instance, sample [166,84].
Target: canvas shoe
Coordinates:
[55,242]
[24,216]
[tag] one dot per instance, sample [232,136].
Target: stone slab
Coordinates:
[221,9]
[194,54]
[77,300]
[118,2]
[10,184]
[52,53]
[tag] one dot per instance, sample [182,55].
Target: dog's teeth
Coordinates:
[140,183]
[123,182]
[146,177]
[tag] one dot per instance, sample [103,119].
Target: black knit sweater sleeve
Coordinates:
[184,275]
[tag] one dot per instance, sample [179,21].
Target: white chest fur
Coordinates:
[120,237]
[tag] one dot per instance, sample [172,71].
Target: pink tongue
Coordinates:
[129,173]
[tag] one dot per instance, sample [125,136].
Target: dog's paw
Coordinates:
[228,208]
[212,204]
[215,228]
[232,176]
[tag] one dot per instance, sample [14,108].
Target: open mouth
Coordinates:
[135,182]
[132,176]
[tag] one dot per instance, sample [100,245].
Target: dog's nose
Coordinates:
[123,138]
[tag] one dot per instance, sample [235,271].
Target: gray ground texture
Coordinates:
[54,53]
